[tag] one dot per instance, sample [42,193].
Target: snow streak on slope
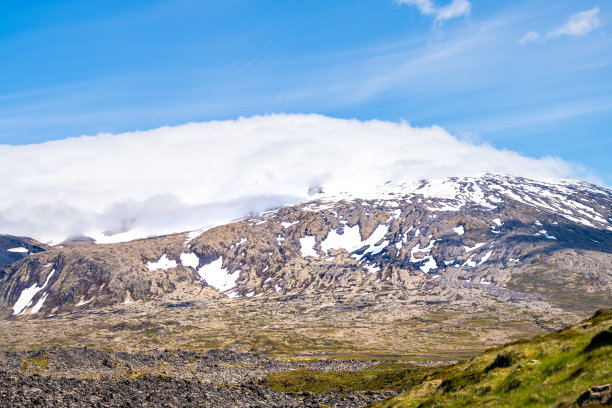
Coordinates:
[25,299]
[120,187]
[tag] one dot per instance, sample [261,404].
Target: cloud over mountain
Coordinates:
[178,178]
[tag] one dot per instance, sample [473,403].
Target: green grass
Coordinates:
[381,377]
[547,370]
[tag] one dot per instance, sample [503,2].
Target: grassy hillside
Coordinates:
[548,370]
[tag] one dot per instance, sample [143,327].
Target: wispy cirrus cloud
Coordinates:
[456,8]
[531,36]
[578,25]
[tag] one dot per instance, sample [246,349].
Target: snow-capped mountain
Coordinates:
[463,240]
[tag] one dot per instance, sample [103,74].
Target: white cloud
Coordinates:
[456,8]
[579,24]
[530,37]
[184,177]
[425,6]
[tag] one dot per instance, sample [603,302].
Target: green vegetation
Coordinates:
[34,365]
[548,370]
[381,377]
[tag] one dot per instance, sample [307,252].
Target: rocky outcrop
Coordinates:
[598,396]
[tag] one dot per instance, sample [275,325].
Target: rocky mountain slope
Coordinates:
[465,240]
[13,248]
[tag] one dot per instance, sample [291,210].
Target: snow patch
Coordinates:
[39,304]
[217,276]
[470,263]
[545,233]
[485,258]
[191,235]
[372,268]
[307,246]
[190,260]
[429,265]
[459,230]
[84,302]
[163,264]
[468,249]
[20,249]
[350,240]
[26,296]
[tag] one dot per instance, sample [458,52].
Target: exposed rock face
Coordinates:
[465,240]
[598,396]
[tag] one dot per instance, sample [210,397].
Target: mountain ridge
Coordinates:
[481,233]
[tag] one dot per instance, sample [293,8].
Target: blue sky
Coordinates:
[529,76]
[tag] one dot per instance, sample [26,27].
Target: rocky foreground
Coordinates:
[85,377]
[566,368]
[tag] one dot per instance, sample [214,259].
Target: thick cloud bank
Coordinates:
[117,187]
